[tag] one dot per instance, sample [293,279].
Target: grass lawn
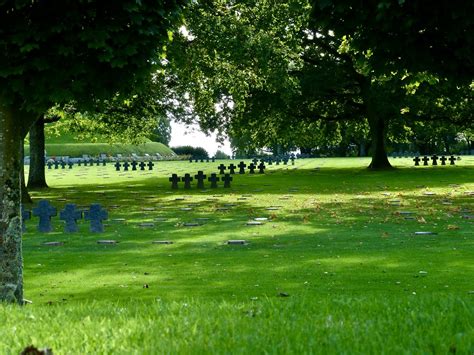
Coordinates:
[335,268]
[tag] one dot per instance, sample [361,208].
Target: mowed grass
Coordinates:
[336,268]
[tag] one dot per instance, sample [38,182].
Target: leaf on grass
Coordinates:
[453,227]
[421,220]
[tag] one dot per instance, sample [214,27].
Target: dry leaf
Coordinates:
[453,227]
[421,220]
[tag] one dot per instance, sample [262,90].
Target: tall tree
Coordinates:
[56,52]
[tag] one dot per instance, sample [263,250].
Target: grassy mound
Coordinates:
[336,266]
[94,149]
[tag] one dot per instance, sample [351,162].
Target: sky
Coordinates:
[182,134]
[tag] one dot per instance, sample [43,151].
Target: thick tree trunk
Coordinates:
[379,154]
[37,176]
[25,196]
[12,132]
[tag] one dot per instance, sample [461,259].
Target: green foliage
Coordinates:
[196,152]
[221,155]
[56,52]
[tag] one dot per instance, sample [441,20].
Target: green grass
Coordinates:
[358,279]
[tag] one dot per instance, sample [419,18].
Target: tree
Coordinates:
[57,52]
[416,35]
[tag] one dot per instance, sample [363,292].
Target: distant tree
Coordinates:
[57,52]
[195,152]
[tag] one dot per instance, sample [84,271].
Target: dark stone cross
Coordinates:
[70,215]
[213,179]
[285,160]
[277,161]
[221,169]
[104,162]
[261,168]
[200,177]
[252,168]
[79,162]
[443,160]
[91,162]
[150,165]
[187,181]
[49,164]
[125,166]
[117,166]
[434,158]
[56,164]
[190,159]
[227,179]
[70,164]
[232,168]
[134,165]
[96,215]
[142,165]
[270,161]
[213,159]
[174,179]
[425,160]
[452,159]
[417,161]
[25,215]
[97,162]
[254,161]
[242,166]
[44,211]
[63,164]
[292,160]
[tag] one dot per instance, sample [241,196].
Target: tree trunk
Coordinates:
[37,176]
[25,196]
[12,132]
[379,154]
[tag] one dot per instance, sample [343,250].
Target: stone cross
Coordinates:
[56,164]
[70,164]
[91,162]
[231,168]
[242,166]
[125,166]
[425,160]
[190,159]
[70,215]
[187,181]
[277,161]
[150,165]
[79,162]
[117,166]
[417,161]
[200,177]
[213,179]
[452,159]
[49,164]
[96,215]
[227,179]
[221,169]
[134,165]
[97,162]
[44,211]
[285,160]
[104,162]
[254,161]
[63,164]
[292,160]
[261,168]
[25,215]
[142,165]
[252,168]
[443,160]
[434,158]
[174,179]
[213,159]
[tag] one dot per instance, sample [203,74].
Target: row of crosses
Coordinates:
[202,159]
[252,166]
[200,178]
[70,215]
[434,159]
[70,164]
[134,165]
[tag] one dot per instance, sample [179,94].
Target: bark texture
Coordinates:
[37,176]
[13,129]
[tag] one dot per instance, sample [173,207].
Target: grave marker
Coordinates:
[117,166]
[49,164]
[434,158]
[417,161]
[261,168]
[44,211]
[70,215]
[174,179]
[227,179]
[150,165]
[96,215]
[443,160]
[200,177]
[25,215]
[187,181]
[125,166]
[425,160]
[232,168]
[221,169]
[452,159]
[242,166]
[213,179]
[252,168]
[134,165]
[142,165]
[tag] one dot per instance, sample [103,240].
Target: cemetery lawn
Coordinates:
[335,266]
